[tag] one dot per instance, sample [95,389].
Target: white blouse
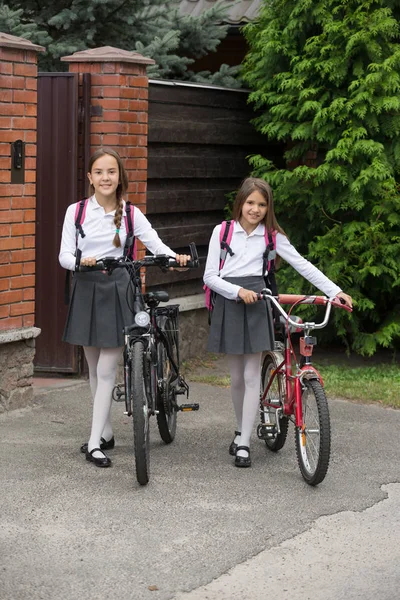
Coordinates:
[248,261]
[99,229]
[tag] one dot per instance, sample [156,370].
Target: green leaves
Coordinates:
[153,27]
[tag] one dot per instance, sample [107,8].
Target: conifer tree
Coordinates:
[325,76]
[154,28]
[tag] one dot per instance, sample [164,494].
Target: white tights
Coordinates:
[102,364]
[245,392]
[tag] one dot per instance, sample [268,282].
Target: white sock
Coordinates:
[251,377]
[236,364]
[102,364]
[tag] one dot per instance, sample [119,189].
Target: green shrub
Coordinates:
[325,80]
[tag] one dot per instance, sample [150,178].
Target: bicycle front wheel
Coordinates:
[140,414]
[313,440]
[167,413]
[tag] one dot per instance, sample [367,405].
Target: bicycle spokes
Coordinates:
[313,437]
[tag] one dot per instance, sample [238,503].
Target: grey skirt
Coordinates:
[238,328]
[99,309]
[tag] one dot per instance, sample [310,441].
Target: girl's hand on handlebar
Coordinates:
[347,299]
[248,296]
[89,261]
[182,259]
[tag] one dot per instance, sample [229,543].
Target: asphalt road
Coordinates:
[202,529]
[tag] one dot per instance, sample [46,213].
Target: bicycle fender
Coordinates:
[310,372]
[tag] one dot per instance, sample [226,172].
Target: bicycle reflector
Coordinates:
[142,318]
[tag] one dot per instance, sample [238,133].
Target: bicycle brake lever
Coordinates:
[194,254]
[340,303]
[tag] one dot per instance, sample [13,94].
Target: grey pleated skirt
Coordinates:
[238,328]
[99,309]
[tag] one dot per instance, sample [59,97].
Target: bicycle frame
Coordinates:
[293,381]
[150,337]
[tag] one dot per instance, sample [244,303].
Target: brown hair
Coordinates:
[249,185]
[121,189]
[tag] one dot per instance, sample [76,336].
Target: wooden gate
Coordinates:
[57,182]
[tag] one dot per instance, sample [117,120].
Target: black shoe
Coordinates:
[104,461]
[243,461]
[233,446]
[104,445]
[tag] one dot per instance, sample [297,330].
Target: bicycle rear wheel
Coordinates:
[313,441]
[140,414]
[274,425]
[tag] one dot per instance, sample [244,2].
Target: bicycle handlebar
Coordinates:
[292,299]
[163,261]
[321,300]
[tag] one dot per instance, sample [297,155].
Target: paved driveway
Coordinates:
[70,530]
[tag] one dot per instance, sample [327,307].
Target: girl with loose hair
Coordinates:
[99,309]
[244,330]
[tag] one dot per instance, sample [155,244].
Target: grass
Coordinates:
[378,383]
[218,380]
[189,368]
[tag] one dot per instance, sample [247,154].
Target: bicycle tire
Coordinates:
[313,442]
[140,414]
[276,393]
[167,414]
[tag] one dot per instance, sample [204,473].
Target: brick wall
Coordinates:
[18,102]
[18,105]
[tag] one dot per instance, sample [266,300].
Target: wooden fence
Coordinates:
[199,138]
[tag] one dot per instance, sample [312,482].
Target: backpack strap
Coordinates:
[130,243]
[270,243]
[225,237]
[269,259]
[80,214]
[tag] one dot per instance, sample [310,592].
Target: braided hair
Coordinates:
[120,191]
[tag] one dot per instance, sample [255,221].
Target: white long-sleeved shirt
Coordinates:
[248,261]
[99,229]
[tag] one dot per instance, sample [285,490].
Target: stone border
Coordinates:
[186,303]
[16,335]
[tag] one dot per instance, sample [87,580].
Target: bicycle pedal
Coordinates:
[264,432]
[188,407]
[117,394]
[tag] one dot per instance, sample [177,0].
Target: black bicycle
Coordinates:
[152,380]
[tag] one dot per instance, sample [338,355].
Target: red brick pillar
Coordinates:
[119,103]
[18,102]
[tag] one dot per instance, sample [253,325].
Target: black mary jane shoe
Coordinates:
[243,461]
[233,446]
[104,445]
[104,461]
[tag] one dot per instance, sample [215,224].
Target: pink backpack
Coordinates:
[225,237]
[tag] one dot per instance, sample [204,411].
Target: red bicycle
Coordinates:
[297,394]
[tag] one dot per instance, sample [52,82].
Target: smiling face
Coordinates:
[254,210]
[104,177]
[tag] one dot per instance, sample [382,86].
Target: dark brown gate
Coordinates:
[57,183]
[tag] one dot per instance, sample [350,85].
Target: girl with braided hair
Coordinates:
[98,309]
